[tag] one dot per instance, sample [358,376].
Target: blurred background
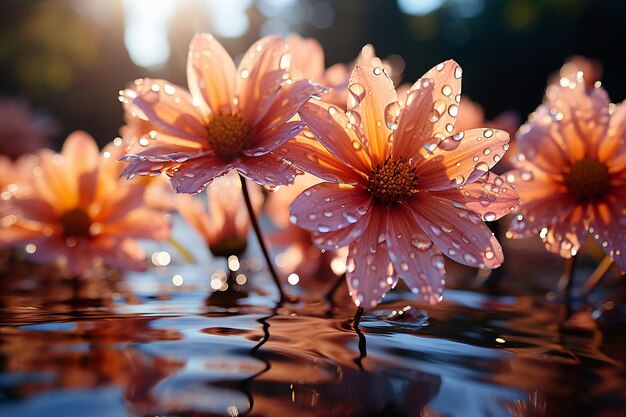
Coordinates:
[66,60]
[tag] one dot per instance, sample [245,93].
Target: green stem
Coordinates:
[182,250]
[259,235]
[598,274]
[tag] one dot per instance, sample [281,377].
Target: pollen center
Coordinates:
[228,135]
[76,223]
[393,181]
[588,180]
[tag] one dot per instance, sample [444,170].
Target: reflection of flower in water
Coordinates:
[74,210]
[21,131]
[232,118]
[402,187]
[571,171]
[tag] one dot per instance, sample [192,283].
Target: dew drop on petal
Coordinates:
[392,111]
[489,216]
[437,261]
[469,258]
[356,95]
[453,110]
[446,90]
[244,73]
[458,73]
[488,133]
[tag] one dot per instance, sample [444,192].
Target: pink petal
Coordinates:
[35,208]
[462,158]
[491,196]
[370,274]
[81,154]
[286,103]
[414,258]
[609,227]
[54,183]
[459,233]
[446,77]
[415,128]
[194,175]
[270,139]
[310,156]
[268,169]
[210,74]
[125,255]
[327,207]
[541,200]
[261,72]
[307,57]
[167,107]
[120,202]
[330,126]
[565,235]
[141,223]
[611,150]
[371,95]
[345,236]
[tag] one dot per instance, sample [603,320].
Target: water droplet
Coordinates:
[490,216]
[458,73]
[489,254]
[404,266]
[307,193]
[143,141]
[453,110]
[244,73]
[440,66]
[392,111]
[488,133]
[378,71]
[312,216]
[285,62]
[434,116]
[446,90]
[486,151]
[436,231]
[422,244]
[356,145]
[458,136]
[328,213]
[356,95]
[469,258]
[437,261]
[446,228]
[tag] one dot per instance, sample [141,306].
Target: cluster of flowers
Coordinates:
[391,176]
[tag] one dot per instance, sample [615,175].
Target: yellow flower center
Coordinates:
[588,180]
[393,181]
[228,135]
[76,223]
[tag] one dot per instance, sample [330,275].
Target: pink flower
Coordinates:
[231,118]
[72,208]
[401,188]
[571,171]
[224,221]
[22,131]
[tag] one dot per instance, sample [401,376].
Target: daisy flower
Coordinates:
[73,209]
[571,171]
[231,117]
[400,189]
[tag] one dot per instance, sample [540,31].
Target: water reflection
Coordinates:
[138,351]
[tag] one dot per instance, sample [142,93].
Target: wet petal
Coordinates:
[414,257]
[310,156]
[370,274]
[370,92]
[565,236]
[612,150]
[491,196]
[81,154]
[125,255]
[268,169]
[270,139]
[460,234]
[166,107]
[210,74]
[446,97]
[194,175]
[331,128]
[608,227]
[141,223]
[462,158]
[415,127]
[327,207]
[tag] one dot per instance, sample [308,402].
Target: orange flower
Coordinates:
[571,171]
[224,227]
[232,118]
[402,187]
[72,208]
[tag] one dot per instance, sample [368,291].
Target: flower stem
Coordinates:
[182,250]
[331,292]
[598,274]
[568,274]
[259,235]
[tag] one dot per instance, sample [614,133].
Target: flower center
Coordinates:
[76,223]
[228,135]
[393,181]
[588,180]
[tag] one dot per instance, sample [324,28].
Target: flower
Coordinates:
[224,227]
[73,209]
[231,118]
[22,131]
[399,187]
[571,171]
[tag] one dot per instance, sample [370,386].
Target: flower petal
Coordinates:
[329,124]
[125,255]
[81,154]
[414,258]
[268,170]
[415,126]
[491,196]
[141,223]
[210,74]
[369,273]
[328,207]
[459,233]
[462,158]
[446,97]
[370,95]
[262,71]
[608,227]
[565,235]
[612,150]
[194,175]
[166,107]
[270,139]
